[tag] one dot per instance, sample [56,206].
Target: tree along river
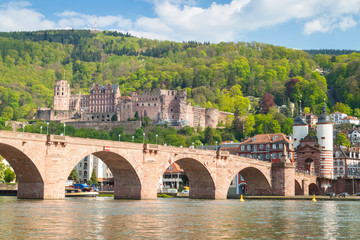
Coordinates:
[106,218]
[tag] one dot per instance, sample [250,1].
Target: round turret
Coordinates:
[324,117]
[325,140]
[300,128]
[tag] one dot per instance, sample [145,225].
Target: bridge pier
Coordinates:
[305,187]
[30,190]
[283,179]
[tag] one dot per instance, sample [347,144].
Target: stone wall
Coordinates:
[211,117]
[129,127]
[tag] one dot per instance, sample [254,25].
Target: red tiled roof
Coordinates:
[175,168]
[266,138]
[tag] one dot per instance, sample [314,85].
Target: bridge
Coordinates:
[42,164]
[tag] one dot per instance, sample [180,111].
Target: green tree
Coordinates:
[341,140]
[74,175]
[2,170]
[9,175]
[94,178]
[209,136]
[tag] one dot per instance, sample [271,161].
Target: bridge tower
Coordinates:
[300,130]
[325,140]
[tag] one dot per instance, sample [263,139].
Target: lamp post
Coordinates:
[215,145]
[132,138]
[156,136]
[143,138]
[24,127]
[47,128]
[353,171]
[40,129]
[119,137]
[64,128]
[193,145]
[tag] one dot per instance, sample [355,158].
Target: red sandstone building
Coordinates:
[105,103]
[266,147]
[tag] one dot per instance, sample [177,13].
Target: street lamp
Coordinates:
[132,138]
[353,171]
[193,145]
[156,136]
[40,129]
[64,128]
[143,138]
[47,128]
[215,145]
[24,127]
[119,137]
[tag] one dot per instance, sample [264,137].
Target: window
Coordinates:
[242,147]
[274,155]
[274,146]
[268,147]
[280,154]
[280,146]
[255,148]
[248,147]
[268,156]
[261,147]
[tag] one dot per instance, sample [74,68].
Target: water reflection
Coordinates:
[106,218]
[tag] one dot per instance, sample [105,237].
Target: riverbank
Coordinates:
[317,197]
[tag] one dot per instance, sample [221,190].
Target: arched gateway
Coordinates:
[43,162]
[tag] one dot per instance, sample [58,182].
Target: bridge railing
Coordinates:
[305,173]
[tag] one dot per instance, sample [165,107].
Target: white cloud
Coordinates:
[184,20]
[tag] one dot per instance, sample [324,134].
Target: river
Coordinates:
[106,218]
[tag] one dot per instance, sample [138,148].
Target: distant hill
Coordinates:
[334,52]
[214,75]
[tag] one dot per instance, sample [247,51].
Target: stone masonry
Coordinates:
[42,164]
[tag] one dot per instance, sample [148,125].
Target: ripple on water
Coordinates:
[105,218]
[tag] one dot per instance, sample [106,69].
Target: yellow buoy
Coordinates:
[241,198]
[314,200]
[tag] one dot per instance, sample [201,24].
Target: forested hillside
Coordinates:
[215,75]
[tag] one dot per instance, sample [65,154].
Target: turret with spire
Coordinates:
[300,128]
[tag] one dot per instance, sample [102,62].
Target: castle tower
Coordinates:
[300,130]
[61,98]
[325,140]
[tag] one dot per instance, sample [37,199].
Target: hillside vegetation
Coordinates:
[214,75]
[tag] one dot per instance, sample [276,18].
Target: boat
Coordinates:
[82,191]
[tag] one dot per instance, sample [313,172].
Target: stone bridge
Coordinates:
[42,164]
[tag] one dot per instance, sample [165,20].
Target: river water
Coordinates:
[106,218]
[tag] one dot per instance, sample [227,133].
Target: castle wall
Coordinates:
[98,117]
[211,117]
[199,117]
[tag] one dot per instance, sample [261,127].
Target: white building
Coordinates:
[337,117]
[351,120]
[86,166]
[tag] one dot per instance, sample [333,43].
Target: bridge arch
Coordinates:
[298,188]
[313,189]
[201,182]
[127,184]
[257,182]
[30,180]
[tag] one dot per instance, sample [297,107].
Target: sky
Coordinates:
[299,24]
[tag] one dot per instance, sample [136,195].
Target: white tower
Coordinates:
[300,130]
[325,140]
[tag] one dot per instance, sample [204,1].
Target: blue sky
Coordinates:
[303,24]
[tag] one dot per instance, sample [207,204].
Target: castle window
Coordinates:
[148,104]
[175,98]
[171,109]
[154,104]
[62,93]
[57,93]
[322,137]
